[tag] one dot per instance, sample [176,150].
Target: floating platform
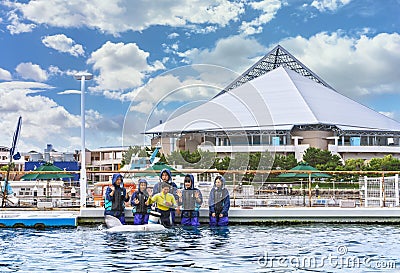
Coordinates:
[259,215]
[247,215]
[37,219]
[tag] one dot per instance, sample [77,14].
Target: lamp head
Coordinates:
[88,76]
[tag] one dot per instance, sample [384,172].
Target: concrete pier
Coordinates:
[259,215]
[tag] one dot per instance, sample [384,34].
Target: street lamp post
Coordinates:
[83,185]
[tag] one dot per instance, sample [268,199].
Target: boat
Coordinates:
[41,193]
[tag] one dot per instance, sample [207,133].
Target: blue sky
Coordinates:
[153,59]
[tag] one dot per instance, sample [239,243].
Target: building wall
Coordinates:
[316,139]
[167,144]
[185,143]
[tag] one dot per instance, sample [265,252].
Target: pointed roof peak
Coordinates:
[275,58]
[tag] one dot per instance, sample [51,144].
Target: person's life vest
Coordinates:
[219,200]
[141,207]
[189,199]
[119,201]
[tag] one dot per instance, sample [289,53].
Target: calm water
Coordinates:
[280,248]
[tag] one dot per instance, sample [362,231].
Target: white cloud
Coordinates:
[17,26]
[211,71]
[31,71]
[64,44]
[175,46]
[43,120]
[31,87]
[173,35]
[121,66]
[102,129]
[171,93]
[142,107]
[69,92]
[173,86]
[55,70]
[235,52]
[115,17]
[5,75]
[268,9]
[352,65]
[332,5]
[95,120]
[204,30]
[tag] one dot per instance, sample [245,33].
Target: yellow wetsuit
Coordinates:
[161,198]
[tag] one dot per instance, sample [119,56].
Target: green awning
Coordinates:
[46,167]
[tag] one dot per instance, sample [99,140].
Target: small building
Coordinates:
[104,159]
[30,193]
[5,159]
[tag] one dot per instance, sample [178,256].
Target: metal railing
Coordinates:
[303,197]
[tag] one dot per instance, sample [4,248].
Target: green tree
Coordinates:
[321,159]
[127,156]
[143,153]
[333,163]
[196,160]
[5,167]
[315,156]
[387,163]
[222,163]
[163,158]
[283,162]
[354,164]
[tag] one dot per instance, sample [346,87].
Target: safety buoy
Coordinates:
[39,226]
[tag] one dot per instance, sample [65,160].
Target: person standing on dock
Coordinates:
[115,198]
[166,177]
[190,200]
[140,203]
[219,203]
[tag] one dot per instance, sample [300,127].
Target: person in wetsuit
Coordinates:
[166,177]
[115,198]
[165,202]
[190,200]
[219,203]
[140,203]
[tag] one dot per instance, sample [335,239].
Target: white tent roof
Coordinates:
[279,99]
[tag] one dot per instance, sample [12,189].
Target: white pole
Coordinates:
[83,184]
[396,189]
[366,191]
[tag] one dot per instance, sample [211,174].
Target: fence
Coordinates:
[380,191]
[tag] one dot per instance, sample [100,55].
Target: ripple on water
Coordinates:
[230,249]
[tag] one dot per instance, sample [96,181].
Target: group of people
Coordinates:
[168,200]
